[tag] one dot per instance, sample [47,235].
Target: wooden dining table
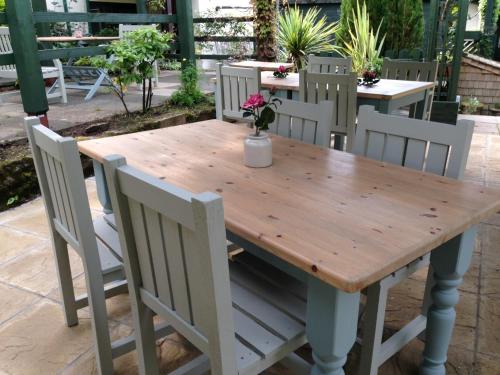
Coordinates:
[386,96]
[337,221]
[263,65]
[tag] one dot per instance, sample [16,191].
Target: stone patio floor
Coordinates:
[35,340]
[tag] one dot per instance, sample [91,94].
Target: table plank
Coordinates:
[386,89]
[67,39]
[347,220]
[263,65]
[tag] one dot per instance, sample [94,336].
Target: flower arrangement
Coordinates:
[369,78]
[281,72]
[261,110]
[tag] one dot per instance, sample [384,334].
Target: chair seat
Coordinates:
[109,248]
[269,316]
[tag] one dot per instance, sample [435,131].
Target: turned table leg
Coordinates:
[449,262]
[332,319]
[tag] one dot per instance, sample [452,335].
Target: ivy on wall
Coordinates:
[265,29]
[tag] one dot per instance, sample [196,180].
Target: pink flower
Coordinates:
[254,101]
[281,69]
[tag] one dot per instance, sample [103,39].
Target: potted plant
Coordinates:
[369,78]
[258,148]
[471,106]
[281,73]
[495,109]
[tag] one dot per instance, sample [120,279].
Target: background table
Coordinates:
[69,39]
[263,65]
[387,95]
[337,221]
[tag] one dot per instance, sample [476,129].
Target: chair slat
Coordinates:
[437,157]
[375,146]
[415,154]
[329,65]
[68,209]
[50,182]
[394,152]
[235,99]
[157,246]
[142,244]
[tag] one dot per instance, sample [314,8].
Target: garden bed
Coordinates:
[17,171]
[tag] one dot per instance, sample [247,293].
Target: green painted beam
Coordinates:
[432,34]
[117,18]
[223,19]
[3,18]
[463,9]
[141,6]
[224,39]
[40,6]
[29,71]
[66,10]
[7,59]
[186,30]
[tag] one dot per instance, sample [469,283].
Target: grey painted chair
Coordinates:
[234,86]
[304,122]
[412,71]
[341,91]
[176,261]
[331,65]
[60,176]
[436,148]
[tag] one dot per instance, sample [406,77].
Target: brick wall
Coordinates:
[480,77]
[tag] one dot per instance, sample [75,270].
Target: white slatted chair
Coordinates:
[124,29]
[304,122]
[331,65]
[234,86]
[176,261]
[432,147]
[10,72]
[412,71]
[341,90]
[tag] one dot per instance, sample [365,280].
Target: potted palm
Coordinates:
[258,148]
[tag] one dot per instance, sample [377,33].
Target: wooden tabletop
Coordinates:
[348,220]
[66,39]
[386,89]
[263,65]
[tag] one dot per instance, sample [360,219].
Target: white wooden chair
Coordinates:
[341,91]
[234,86]
[412,71]
[305,122]
[331,65]
[124,29]
[432,147]
[176,261]
[9,71]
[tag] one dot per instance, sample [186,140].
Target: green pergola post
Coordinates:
[186,30]
[463,9]
[490,25]
[432,30]
[42,29]
[141,6]
[29,71]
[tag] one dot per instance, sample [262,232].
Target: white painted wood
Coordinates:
[303,121]
[234,86]
[432,147]
[242,334]
[341,91]
[9,71]
[330,65]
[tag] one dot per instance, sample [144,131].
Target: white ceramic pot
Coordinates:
[258,151]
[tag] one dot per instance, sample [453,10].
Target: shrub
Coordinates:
[363,44]
[189,94]
[2,5]
[302,34]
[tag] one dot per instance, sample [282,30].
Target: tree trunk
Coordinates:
[265,29]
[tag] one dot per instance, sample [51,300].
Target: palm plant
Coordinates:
[364,45]
[302,34]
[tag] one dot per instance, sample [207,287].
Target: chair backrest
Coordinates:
[62,184]
[5,46]
[305,122]
[341,90]
[410,70]
[432,147]
[174,248]
[332,65]
[124,29]
[234,86]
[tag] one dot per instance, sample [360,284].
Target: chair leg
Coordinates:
[65,280]
[95,87]
[376,301]
[145,338]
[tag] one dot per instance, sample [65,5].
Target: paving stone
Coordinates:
[29,217]
[14,300]
[489,325]
[36,270]
[487,364]
[14,243]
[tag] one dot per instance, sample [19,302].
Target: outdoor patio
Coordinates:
[36,341]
